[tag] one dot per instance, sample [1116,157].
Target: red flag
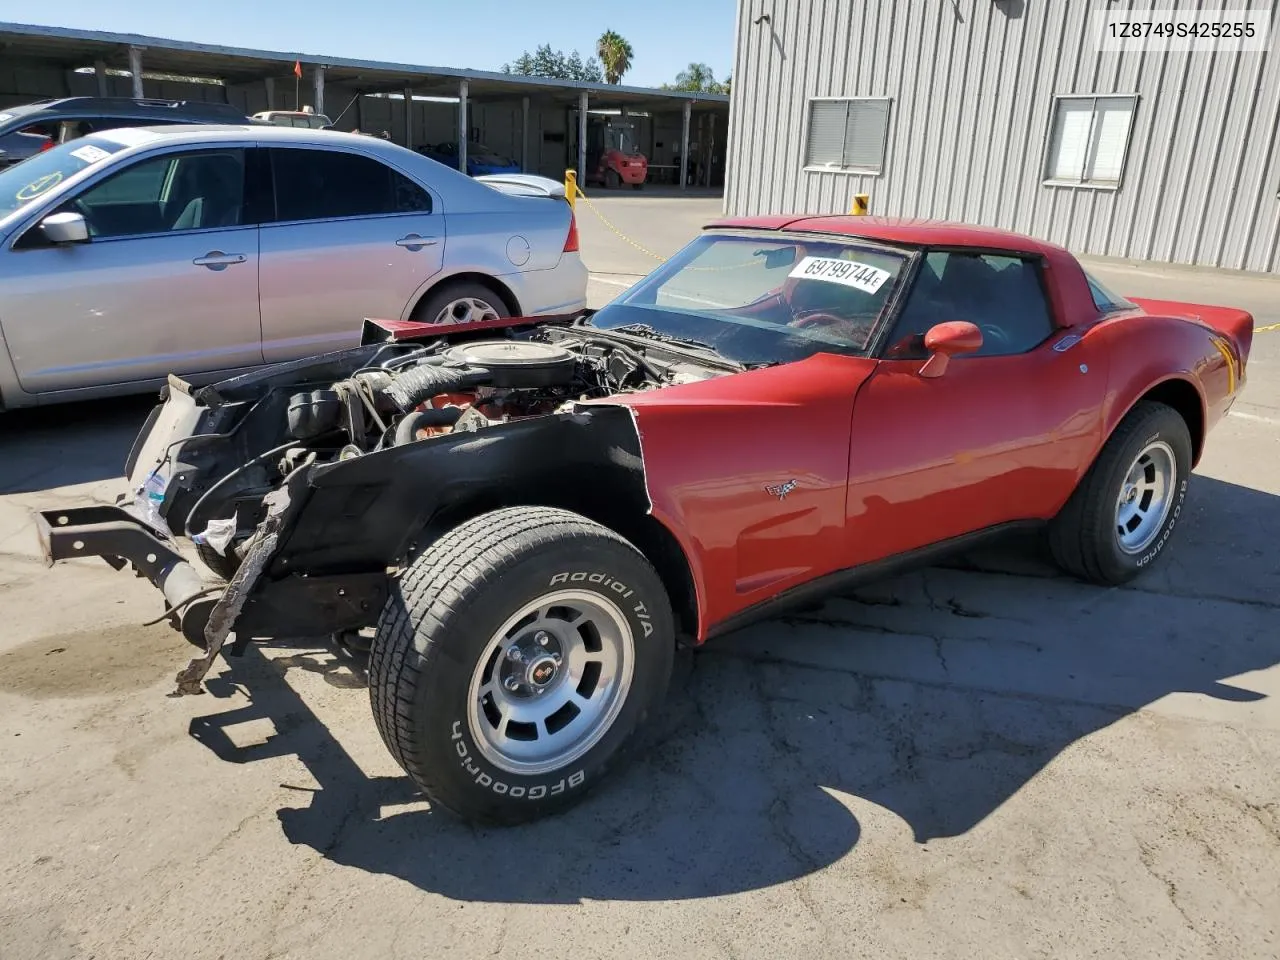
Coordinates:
[297,69]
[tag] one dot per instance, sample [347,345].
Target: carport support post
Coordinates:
[135,69]
[524,135]
[684,146]
[100,71]
[582,137]
[463,88]
[270,84]
[317,75]
[408,118]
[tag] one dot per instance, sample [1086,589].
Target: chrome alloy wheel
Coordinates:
[466,310]
[551,682]
[1146,497]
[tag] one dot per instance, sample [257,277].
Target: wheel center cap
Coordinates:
[1130,494]
[541,672]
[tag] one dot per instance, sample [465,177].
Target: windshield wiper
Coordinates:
[646,331]
[687,346]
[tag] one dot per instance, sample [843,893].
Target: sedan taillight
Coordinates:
[571,241]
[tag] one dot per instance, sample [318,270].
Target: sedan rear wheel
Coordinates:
[467,302]
[466,310]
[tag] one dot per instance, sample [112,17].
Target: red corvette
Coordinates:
[527,516]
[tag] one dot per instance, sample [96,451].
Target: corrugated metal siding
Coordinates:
[973,84]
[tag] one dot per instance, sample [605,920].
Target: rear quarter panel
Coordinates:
[1147,351]
[486,239]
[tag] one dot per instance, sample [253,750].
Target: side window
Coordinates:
[184,191]
[1104,299]
[323,184]
[1002,295]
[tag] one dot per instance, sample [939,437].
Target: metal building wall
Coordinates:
[973,83]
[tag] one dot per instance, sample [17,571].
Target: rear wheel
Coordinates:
[516,660]
[1123,513]
[465,302]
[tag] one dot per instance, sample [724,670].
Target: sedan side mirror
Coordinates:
[947,340]
[65,228]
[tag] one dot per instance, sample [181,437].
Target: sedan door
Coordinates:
[167,282]
[351,238]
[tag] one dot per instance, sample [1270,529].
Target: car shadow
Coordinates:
[919,704]
[67,444]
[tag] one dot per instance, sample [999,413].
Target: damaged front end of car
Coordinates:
[304,487]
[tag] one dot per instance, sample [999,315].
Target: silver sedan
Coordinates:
[131,254]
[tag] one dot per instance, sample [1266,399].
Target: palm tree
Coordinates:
[698,78]
[615,55]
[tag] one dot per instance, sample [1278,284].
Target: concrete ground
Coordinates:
[979,761]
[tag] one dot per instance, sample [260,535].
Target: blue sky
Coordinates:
[665,35]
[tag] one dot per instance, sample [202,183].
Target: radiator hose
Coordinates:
[414,386]
[407,430]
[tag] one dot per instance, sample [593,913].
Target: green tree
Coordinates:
[545,62]
[615,55]
[697,78]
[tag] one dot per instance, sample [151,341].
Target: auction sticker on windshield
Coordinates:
[850,273]
[90,154]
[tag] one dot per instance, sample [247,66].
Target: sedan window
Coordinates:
[326,184]
[182,191]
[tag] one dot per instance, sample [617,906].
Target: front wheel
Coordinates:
[1122,514]
[516,660]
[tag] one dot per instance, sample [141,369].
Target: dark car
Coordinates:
[29,128]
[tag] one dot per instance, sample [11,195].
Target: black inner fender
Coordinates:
[367,512]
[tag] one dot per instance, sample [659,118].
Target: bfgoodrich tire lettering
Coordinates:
[1103,535]
[446,634]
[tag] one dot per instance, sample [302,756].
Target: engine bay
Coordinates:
[438,389]
[259,430]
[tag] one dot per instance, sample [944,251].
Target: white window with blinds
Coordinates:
[1089,140]
[847,134]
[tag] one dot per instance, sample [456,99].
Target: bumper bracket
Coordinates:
[118,536]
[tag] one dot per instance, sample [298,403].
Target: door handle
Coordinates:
[216,258]
[414,242]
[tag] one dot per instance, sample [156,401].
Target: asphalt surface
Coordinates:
[983,760]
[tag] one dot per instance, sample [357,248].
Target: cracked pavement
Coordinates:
[981,760]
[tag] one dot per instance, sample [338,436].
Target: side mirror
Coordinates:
[65,228]
[947,340]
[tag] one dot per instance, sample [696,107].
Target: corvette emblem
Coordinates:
[780,490]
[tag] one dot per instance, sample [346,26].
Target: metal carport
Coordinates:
[38,61]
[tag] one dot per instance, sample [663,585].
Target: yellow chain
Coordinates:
[605,220]
[645,250]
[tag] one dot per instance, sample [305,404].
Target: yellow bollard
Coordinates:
[860,204]
[571,187]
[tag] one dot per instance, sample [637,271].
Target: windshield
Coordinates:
[37,175]
[756,300]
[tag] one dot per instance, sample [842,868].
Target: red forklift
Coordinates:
[613,154]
